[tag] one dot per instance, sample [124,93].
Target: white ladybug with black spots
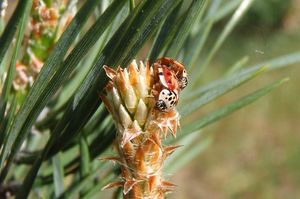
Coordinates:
[167,99]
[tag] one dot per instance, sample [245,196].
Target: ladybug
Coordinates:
[177,68]
[166,99]
[170,78]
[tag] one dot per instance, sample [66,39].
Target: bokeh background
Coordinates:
[255,151]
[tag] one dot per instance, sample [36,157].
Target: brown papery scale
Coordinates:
[130,96]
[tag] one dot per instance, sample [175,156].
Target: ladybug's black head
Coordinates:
[161,105]
[183,82]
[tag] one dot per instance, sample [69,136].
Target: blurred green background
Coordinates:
[256,151]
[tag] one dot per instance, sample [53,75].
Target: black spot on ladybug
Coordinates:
[170,94]
[166,98]
[170,98]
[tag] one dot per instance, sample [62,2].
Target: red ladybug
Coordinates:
[177,68]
